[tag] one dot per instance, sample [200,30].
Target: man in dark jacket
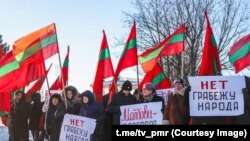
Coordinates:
[149,95]
[35,115]
[20,111]
[124,97]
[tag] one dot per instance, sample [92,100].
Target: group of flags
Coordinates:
[25,63]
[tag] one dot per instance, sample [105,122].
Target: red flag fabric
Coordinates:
[62,80]
[128,58]
[13,76]
[104,69]
[4,107]
[36,87]
[210,64]
[239,54]
[157,77]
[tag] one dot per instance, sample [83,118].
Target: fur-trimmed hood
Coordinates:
[75,93]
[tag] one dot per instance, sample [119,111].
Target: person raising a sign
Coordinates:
[177,109]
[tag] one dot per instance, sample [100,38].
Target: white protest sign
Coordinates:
[141,114]
[216,95]
[164,94]
[77,128]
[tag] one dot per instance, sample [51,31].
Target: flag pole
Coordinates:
[138,80]
[59,57]
[182,65]
[47,81]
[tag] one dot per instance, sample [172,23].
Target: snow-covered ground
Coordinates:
[4,135]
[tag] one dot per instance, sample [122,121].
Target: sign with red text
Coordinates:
[77,128]
[216,95]
[164,94]
[141,114]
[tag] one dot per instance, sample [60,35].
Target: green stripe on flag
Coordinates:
[216,67]
[130,45]
[8,68]
[66,63]
[176,38]
[104,54]
[150,56]
[34,48]
[213,40]
[158,78]
[241,52]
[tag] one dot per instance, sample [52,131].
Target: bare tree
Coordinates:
[157,19]
[4,46]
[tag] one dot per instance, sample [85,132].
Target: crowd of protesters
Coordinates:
[46,124]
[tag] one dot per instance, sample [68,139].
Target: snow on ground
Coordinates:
[4,135]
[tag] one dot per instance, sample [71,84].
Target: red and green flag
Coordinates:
[37,86]
[36,46]
[62,80]
[239,54]
[210,64]
[104,69]
[171,45]
[13,76]
[128,58]
[157,77]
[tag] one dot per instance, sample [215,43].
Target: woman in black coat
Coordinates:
[53,126]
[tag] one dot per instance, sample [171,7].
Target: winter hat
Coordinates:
[127,85]
[149,86]
[178,80]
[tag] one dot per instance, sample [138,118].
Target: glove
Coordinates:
[188,89]
[165,122]
[244,91]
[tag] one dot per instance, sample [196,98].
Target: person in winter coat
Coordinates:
[149,95]
[91,109]
[138,95]
[124,97]
[72,107]
[35,115]
[177,109]
[20,111]
[53,126]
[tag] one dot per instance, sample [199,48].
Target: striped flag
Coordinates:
[104,69]
[171,45]
[239,54]
[210,64]
[36,46]
[157,77]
